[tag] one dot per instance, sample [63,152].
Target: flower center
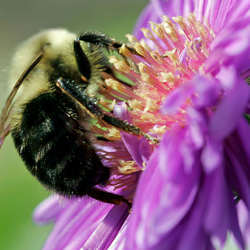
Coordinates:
[171,54]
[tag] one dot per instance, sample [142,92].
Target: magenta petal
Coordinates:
[230,110]
[121,111]
[157,8]
[191,216]
[107,230]
[143,21]
[216,211]
[197,125]
[244,133]
[221,13]
[203,91]
[177,98]
[228,50]
[207,218]
[191,235]
[119,242]
[206,92]
[173,8]
[49,209]
[162,193]
[227,77]
[239,180]
[220,214]
[244,219]
[218,13]
[138,148]
[211,156]
[238,164]
[80,213]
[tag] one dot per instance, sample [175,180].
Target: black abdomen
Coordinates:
[54,149]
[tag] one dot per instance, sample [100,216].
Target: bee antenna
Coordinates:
[6,109]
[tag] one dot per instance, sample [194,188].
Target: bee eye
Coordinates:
[82,60]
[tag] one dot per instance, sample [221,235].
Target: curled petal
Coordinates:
[138,148]
[203,91]
[177,98]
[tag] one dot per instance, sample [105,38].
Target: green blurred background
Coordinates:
[19,191]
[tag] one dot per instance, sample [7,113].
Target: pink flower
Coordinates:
[190,90]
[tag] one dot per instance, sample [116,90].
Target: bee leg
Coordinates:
[99,40]
[107,197]
[104,41]
[109,71]
[76,92]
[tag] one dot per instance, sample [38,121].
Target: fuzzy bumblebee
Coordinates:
[49,108]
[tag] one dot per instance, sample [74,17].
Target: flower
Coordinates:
[190,90]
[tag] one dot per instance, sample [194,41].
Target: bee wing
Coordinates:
[6,111]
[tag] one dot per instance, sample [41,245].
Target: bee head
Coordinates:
[58,60]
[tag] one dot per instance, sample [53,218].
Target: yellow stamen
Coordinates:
[173,56]
[147,33]
[135,104]
[159,129]
[127,167]
[170,28]
[140,49]
[158,29]
[144,45]
[119,65]
[113,134]
[131,38]
[150,105]
[125,51]
[166,77]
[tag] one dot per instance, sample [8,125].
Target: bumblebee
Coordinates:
[60,77]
